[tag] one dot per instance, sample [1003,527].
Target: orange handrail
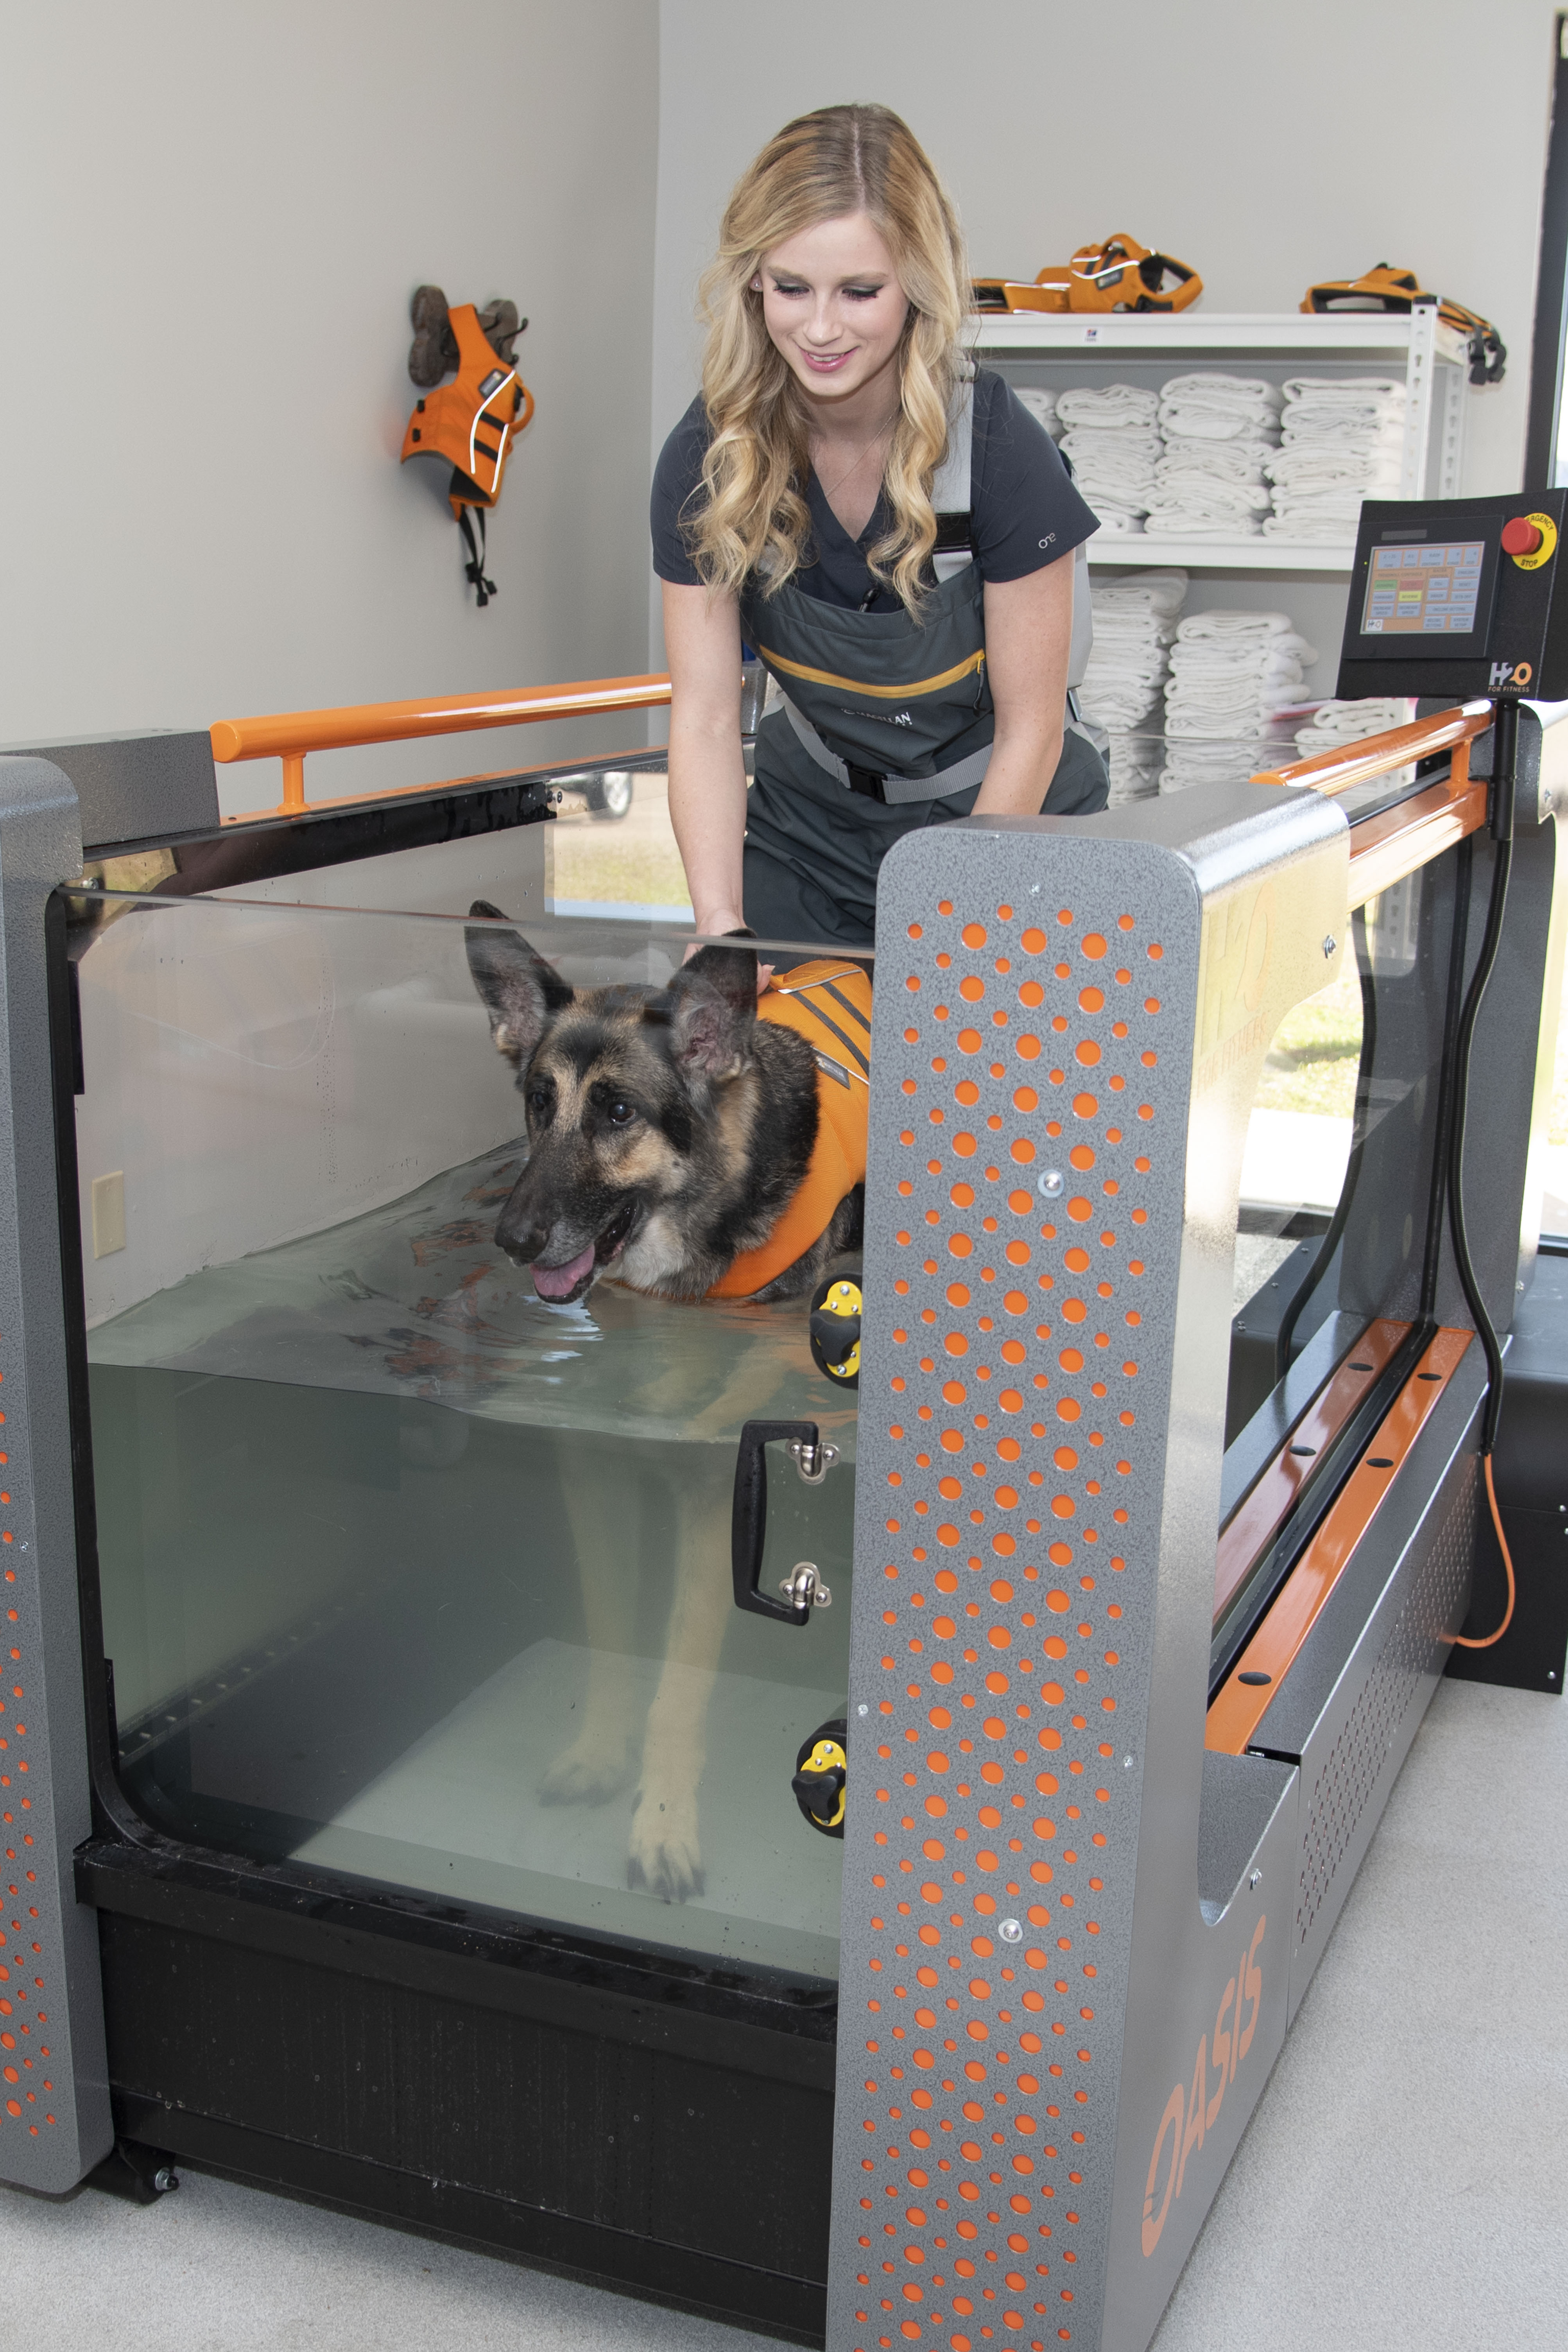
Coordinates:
[1357,763]
[290,735]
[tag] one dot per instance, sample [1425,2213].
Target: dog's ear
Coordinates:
[712,1008]
[517,987]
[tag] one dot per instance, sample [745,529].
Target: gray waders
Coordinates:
[887,726]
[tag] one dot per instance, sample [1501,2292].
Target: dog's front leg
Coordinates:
[605,1519]
[665,1852]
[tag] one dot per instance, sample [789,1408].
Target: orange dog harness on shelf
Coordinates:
[828,1004]
[1119,275]
[1399,290]
[471,423]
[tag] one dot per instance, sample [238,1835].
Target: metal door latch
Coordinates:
[812,1459]
[801,1589]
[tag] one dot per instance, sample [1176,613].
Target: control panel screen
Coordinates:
[1427,589]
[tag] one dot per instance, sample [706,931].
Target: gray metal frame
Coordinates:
[1236,898]
[54,2094]
[1217,1878]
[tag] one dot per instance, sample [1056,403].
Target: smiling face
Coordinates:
[833,305]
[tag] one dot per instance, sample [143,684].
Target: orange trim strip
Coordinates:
[1385,848]
[1263,1512]
[1357,763]
[1240,1706]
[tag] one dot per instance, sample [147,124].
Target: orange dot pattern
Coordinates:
[1011,1441]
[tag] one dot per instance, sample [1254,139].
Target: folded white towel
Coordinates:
[1246,392]
[1124,407]
[1206,494]
[1335,723]
[1042,407]
[1196,420]
[1321,529]
[1217,461]
[1227,627]
[1344,391]
[1160,592]
[1305,464]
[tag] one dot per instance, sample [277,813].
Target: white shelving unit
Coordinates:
[1125,347]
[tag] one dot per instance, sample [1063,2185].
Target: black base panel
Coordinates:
[1531,1469]
[1533,1653]
[642,2169]
[792,2309]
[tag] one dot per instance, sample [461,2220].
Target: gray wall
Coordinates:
[1266,144]
[215,216]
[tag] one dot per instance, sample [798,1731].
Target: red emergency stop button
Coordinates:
[1521,536]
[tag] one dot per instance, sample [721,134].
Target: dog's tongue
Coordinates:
[558,1281]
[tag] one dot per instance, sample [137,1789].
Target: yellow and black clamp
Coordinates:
[836,1328]
[821,1777]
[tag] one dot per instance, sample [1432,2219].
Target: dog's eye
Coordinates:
[537,1102]
[621,1114]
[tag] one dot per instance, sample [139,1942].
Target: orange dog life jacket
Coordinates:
[471,421]
[828,1004]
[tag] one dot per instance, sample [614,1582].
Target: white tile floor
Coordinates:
[1401,2187]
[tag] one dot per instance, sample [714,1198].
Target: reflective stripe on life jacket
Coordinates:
[828,1004]
[472,420]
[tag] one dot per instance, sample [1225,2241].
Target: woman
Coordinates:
[797,506]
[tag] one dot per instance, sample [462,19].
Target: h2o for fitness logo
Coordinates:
[1506,674]
[1190,2113]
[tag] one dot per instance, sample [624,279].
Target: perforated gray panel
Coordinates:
[1340,1789]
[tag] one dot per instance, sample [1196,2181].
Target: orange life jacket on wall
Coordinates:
[828,1004]
[471,424]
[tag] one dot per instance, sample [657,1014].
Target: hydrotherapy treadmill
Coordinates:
[413,1808]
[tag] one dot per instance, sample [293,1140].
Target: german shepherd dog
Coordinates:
[668,1130]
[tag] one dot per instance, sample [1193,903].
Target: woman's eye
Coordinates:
[621,1114]
[785,285]
[862,293]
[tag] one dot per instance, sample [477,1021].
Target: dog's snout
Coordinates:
[523,1237]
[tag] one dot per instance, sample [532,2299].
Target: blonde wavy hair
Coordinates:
[752,517]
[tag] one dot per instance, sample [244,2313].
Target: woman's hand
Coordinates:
[1028,639]
[707,771]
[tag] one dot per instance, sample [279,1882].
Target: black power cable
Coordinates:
[1505,747]
[1505,755]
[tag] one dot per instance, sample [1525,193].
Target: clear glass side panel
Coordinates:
[408,1573]
[1333,1262]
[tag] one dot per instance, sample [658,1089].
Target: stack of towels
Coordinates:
[1334,724]
[1219,433]
[1342,442]
[1112,438]
[1134,622]
[1042,405]
[1231,674]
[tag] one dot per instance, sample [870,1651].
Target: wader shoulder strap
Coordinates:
[950,490]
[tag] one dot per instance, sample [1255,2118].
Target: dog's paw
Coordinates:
[664,1855]
[589,1772]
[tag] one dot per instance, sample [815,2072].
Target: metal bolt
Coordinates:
[862,1710]
[1052,1184]
[1011,1932]
[165,2179]
[1127,1763]
[1255,1878]
[1330,944]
